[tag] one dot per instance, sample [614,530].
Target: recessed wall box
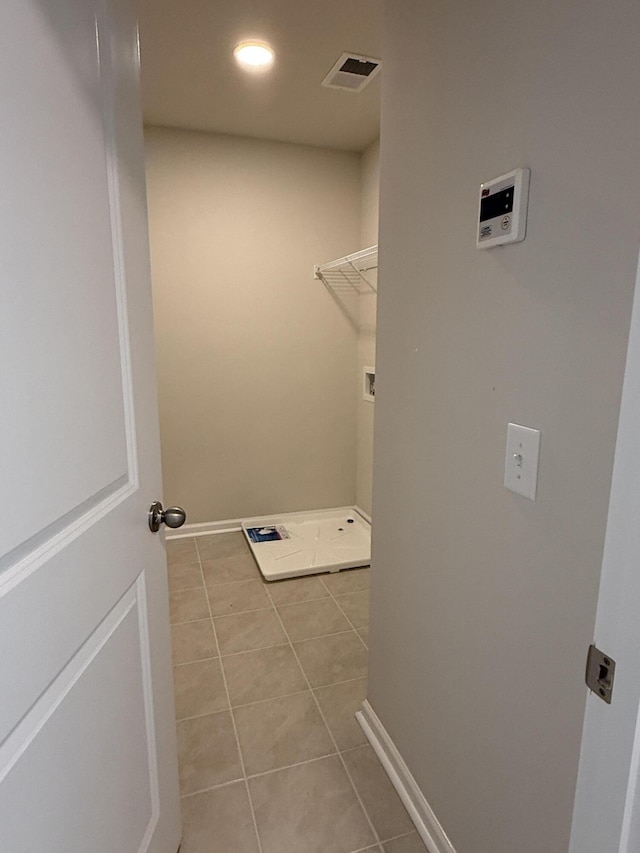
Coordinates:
[502,209]
[369,384]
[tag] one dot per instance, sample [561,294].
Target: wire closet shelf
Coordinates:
[351,274]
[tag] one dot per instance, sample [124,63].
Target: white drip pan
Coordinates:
[306,543]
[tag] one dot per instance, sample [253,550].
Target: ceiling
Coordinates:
[190,80]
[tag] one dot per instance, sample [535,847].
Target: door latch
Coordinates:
[600,671]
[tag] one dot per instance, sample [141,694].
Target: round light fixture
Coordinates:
[254,55]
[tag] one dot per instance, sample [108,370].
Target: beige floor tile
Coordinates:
[238,597]
[296,589]
[407,844]
[221,545]
[244,632]
[312,619]
[281,732]
[339,703]
[188,605]
[241,567]
[364,633]
[327,660]
[380,799]
[208,752]
[193,641]
[348,580]
[309,809]
[218,822]
[181,551]
[185,576]
[263,674]
[356,607]
[199,689]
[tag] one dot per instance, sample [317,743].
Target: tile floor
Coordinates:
[267,680]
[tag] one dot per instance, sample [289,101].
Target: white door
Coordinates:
[87,740]
[606,816]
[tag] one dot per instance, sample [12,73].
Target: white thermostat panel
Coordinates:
[502,211]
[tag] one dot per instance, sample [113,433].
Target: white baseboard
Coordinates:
[231,525]
[420,812]
[206,528]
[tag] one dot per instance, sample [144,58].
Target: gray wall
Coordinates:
[256,362]
[483,602]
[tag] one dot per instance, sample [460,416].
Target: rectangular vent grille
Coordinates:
[352,72]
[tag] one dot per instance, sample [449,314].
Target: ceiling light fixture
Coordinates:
[254,55]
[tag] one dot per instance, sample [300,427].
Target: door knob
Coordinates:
[173,516]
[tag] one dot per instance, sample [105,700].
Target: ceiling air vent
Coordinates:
[352,72]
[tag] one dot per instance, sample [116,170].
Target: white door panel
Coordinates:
[80,582]
[64,368]
[74,729]
[87,735]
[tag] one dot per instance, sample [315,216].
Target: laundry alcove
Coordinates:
[245,433]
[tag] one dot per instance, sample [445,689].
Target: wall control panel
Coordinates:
[502,209]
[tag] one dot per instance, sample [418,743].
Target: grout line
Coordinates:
[200,716]
[211,788]
[353,592]
[233,719]
[257,649]
[404,835]
[354,749]
[297,693]
[250,651]
[186,662]
[344,681]
[337,603]
[230,583]
[322,637]
[290,766]
[237,612]
[191,621]
[273,699]
[243,612]
[197,660]
[213,586]
[333,740]
[296,603]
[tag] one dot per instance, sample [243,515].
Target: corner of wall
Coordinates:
[369,195]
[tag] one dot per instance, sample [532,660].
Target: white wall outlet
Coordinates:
[521,460]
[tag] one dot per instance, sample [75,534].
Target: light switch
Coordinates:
[521,460]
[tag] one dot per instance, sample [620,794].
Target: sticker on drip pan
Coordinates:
[272,533]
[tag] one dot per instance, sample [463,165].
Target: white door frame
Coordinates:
[606,816]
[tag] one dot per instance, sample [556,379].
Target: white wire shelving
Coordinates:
[352,274]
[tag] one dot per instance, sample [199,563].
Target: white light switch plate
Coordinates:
[521,460]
